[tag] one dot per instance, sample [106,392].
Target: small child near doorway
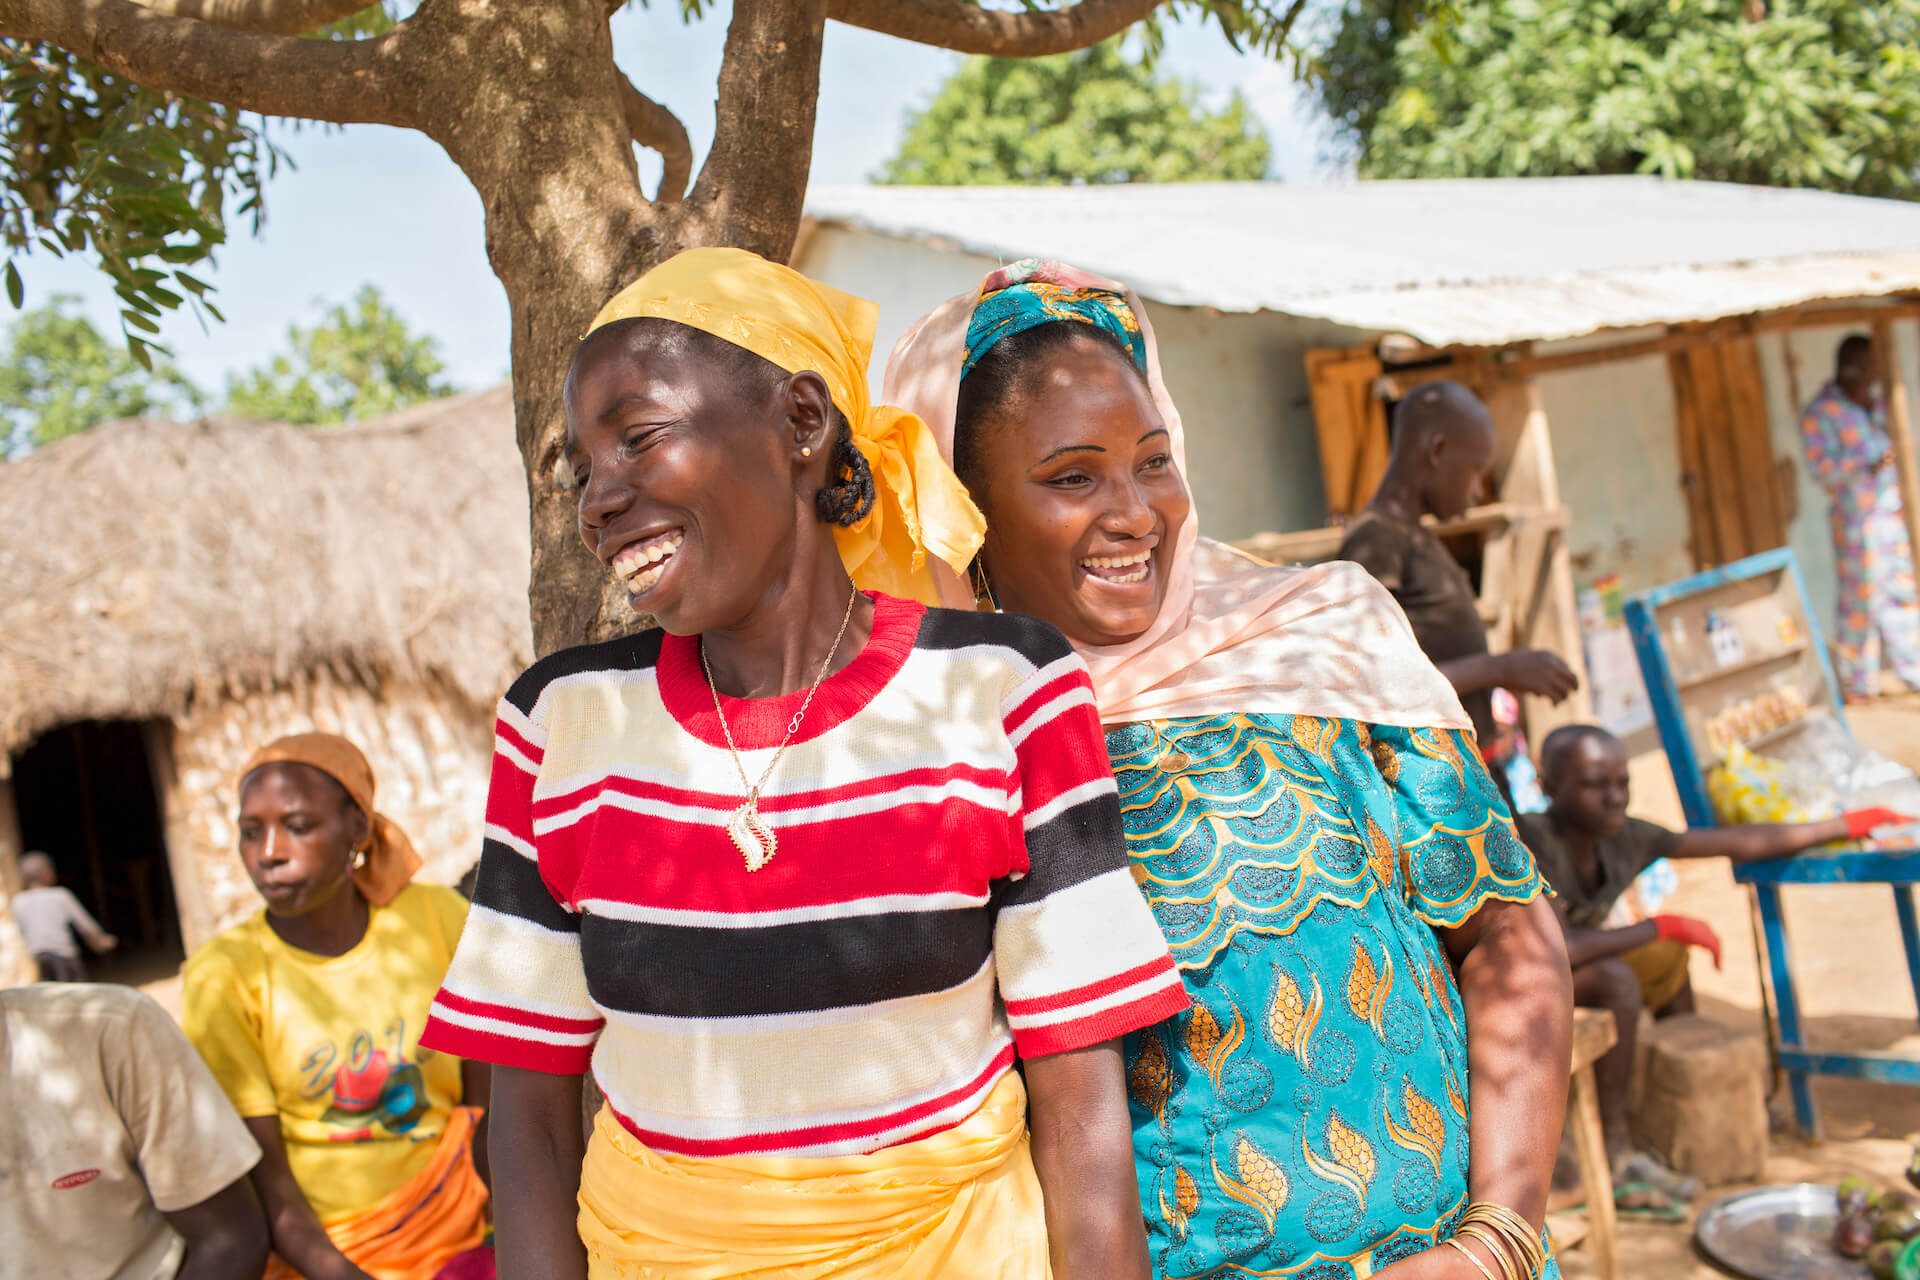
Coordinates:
[49,917]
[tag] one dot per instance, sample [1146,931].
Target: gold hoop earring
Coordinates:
[982,585]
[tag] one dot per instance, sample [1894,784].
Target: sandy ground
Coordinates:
[1850,975]
[1853,994]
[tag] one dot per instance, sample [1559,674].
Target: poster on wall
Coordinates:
[1620,702]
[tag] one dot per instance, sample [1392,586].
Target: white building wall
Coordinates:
[1617,453]
[1253,460]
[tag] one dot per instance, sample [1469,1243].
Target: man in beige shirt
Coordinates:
[120,1157]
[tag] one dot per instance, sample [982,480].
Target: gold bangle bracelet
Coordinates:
[1501,1249]
[1516,1230]
[1467,1253]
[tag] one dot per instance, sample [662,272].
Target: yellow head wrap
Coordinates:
[802,325]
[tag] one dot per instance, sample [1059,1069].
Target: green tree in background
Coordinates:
[1799,93]
[359,361]
[526,98]
[1086,117]
[59,375]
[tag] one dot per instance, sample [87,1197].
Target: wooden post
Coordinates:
[1540,583]
[1899,428]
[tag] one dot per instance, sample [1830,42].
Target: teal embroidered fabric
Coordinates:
[1307,1117]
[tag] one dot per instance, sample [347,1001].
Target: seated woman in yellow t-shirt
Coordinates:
[309,1014]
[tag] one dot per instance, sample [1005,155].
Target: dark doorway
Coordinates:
[86,798]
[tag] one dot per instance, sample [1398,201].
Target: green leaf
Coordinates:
[16,291]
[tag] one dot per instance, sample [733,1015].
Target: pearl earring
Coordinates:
[806,451]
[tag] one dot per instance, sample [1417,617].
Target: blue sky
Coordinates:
[369,203]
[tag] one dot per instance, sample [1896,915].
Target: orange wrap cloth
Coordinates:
[390,861]
[963,1204]
[411,1233]
[801,325]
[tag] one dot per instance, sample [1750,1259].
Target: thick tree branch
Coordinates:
[966,28]
[754,182]
[339,81]
[658,129]
[269,17]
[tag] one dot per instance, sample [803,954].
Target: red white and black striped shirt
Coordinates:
[950,889]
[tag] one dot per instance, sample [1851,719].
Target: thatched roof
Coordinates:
[145,563]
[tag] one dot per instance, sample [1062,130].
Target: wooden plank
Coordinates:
[1340,384]
[1370,466]
[1693,464]
[1529,479]
[1752,443]
[1594,1032]
[1899,428]
[1716,441]
[1305,545]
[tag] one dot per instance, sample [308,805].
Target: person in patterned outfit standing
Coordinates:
[1306,813]
[1844,431]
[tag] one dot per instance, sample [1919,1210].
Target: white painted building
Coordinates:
[1245,279]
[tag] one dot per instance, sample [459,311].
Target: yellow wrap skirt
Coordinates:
[963,1204]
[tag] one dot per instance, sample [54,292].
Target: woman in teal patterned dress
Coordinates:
[1381,1002]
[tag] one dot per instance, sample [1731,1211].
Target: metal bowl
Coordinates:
[1777,1233]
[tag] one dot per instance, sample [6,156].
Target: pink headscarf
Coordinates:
[1233,635]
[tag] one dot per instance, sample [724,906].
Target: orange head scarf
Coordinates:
[388,863]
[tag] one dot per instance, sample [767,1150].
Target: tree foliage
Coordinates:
[1802,93]
[526,98]
[59,375]
[361,360]
[1093,116]
[144,181]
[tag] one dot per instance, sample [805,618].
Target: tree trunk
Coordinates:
[567,225]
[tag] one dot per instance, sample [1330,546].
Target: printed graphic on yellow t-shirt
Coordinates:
[330,1045]
[371,1092]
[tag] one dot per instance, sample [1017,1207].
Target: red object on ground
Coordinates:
[1694,933]
[1861,822]
[470,1264]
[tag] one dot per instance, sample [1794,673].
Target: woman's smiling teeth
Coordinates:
[640,564]
[1120,570]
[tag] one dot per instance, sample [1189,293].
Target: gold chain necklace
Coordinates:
[751,834]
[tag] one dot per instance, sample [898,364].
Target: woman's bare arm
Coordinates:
[1083,1153]
[295,1228]
[1518,994]
[476,1090]
[536,1149]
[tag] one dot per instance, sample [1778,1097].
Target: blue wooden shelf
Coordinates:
[1897,868]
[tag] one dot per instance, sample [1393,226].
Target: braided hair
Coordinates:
[848,495]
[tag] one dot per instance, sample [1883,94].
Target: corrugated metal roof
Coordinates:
[1471,261]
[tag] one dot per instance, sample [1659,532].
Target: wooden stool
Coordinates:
[1593,1035]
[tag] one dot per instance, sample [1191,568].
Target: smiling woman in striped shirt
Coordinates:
[803,873]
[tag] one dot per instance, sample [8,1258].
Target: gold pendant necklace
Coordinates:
[1173,760]
[751,834]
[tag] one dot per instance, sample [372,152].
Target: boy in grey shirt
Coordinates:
[49,917]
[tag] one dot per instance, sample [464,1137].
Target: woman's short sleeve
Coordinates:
[1080,958]
[221,1015]
[516,993]
[1458,847]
